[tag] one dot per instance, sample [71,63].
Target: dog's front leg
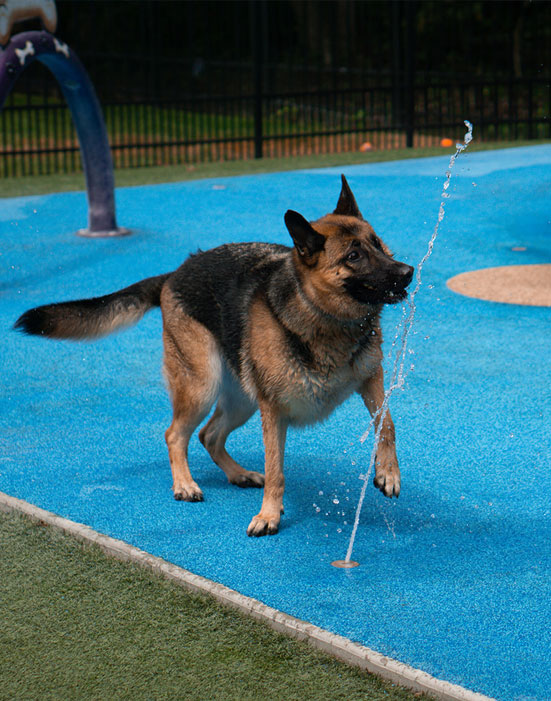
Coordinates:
[274,431]
[387,472]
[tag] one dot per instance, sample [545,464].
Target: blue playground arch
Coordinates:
[81,98]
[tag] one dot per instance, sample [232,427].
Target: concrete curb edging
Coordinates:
[336,645]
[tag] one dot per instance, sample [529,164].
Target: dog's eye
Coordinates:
[376,243]
[353,255]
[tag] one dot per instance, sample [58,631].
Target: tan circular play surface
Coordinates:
[512,284]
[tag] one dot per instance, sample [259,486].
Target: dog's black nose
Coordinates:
[406,273]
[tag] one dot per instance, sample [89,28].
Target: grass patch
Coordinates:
[77,624]
[124,177]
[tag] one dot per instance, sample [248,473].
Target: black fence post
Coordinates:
[397,63]
[411,16]
[530,111]
[257,9]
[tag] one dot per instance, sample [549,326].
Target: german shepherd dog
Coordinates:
[291,331]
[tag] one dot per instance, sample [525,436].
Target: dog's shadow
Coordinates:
[313,484]
[318,487]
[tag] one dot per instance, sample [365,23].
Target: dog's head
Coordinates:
[344,266]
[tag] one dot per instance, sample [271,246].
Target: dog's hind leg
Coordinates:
[192,367]
[233,410]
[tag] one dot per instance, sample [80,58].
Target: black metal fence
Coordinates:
[186,82]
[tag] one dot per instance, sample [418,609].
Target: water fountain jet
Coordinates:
[398,376]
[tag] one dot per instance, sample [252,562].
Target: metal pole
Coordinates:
[257,8]
[410,14]
[397,68]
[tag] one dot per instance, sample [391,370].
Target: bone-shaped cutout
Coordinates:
[23,53]
[12,11]
[61,48]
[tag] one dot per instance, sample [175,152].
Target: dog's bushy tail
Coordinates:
[93,318]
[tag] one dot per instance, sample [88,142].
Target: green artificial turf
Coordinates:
[79,625]
[41,184]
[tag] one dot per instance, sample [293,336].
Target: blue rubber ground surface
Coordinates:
[455,576]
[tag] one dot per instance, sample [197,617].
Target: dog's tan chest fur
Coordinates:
[305,392]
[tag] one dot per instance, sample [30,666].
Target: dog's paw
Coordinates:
[387,478]
[188,492]
[263,525]
[248,479]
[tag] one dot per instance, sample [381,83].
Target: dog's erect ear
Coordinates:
[347,202]
[306,238]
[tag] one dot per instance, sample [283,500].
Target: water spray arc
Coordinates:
[399,373]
